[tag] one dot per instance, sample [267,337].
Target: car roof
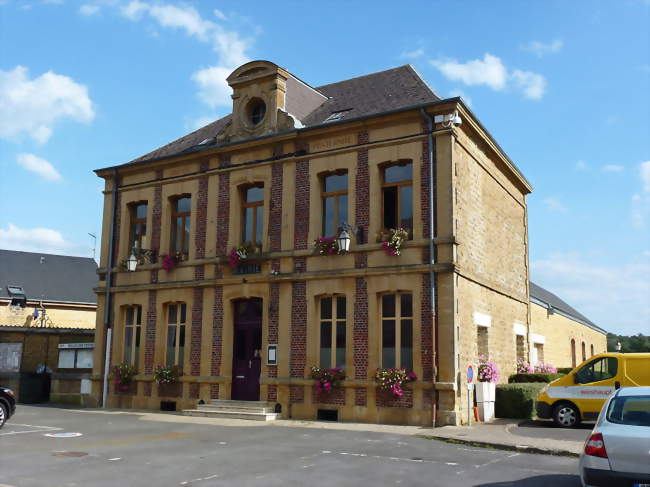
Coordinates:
[634,391]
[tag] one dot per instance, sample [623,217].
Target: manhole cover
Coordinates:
[63,435]
[69,454]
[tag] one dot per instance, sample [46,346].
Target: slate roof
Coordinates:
[544,296]
[371,94]
[59,278]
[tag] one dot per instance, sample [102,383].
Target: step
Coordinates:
[249,415]
[220,407]
[230,402]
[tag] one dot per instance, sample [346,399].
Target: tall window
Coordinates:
[592,350]
[138,229]
[482,341]
[335,202]
[397,330]
[176,317]
[132,332]
[253,215]
[181,212]
[332,331]
[573,352]
[584,352]
[397,195]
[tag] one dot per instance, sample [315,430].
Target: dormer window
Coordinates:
[256,111]
[17,295]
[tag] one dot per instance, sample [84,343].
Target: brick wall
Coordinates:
[274,317]
[335,397]
[197,322]
[116,230]
[150,338]
[217,338]
[360,338]
[301,218]
[201,217]
[426,330]
[156,217]
[298,329]
[223,213]
[362,189]
[275,209]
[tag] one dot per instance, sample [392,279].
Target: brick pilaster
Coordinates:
[426,330]
[156,217]
[298,329]
[360,338]
[275,208]
[201,216]
[197,324]
[223,213]
[362,190]
[217,334]
[301,217]
[118,224]
[150,338]
[274,320]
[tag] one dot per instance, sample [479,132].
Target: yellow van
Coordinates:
[581,393]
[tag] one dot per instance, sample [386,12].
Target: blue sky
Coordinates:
[564,87]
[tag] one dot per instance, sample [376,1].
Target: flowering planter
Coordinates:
[485,393]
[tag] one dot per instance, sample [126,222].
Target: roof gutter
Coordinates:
[419,106]
[109,283]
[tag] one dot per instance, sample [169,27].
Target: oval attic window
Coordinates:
[256,110]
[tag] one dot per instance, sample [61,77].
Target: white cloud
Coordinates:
[89,9]
[414,54]
[489,71]
[229,46]
[200,122]
[542,48]
[492,72]
[532,84]
[644,171]
[33,106]
[33,240]
[553,203]
[612,168]
[614,297]
[39,166]
[461,93]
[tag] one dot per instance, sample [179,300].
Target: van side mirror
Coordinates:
[617,385]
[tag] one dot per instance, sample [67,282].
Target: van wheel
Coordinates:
[566,415]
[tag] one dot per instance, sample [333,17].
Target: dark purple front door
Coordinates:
[247,350]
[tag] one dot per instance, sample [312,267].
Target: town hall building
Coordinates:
[363,224]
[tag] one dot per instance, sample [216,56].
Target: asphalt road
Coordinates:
[129,449]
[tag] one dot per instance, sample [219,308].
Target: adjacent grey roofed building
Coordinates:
[543,297]
[371,94]
[53,278]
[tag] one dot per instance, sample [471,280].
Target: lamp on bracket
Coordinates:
[138,254]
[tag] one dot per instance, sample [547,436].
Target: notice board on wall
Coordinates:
[10,354]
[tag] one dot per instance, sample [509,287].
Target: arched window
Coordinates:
[573,352]
[132,332]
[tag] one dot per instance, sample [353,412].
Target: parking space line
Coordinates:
[39,430]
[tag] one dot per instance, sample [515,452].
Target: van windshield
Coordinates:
[631,410]
[600,369]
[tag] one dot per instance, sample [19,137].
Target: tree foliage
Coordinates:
[629,344]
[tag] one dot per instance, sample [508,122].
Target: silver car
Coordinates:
[618,450]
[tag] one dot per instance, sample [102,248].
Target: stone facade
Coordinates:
[479,266]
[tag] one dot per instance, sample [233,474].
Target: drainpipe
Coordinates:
[432,251]
[107,299]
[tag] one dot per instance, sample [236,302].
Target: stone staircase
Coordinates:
[252,410]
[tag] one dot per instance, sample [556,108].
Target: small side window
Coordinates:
[597,370]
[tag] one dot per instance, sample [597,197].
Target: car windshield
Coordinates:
[632,410]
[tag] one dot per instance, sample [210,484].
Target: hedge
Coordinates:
[564,370]
[533,377]
[516,400]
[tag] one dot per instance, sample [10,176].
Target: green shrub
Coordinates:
[533,377]
[564,370]
[516,400]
